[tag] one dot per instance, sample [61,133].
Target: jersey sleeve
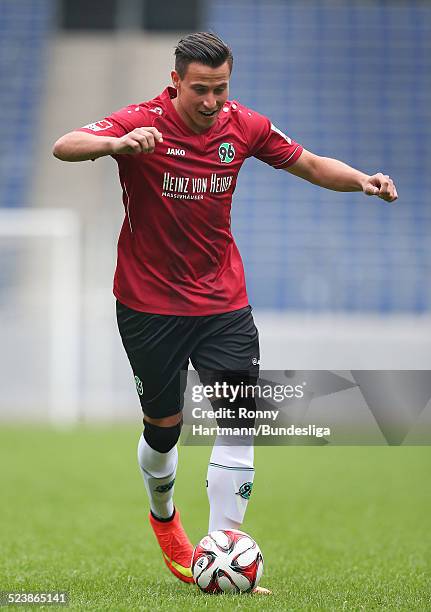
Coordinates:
[119,123]
[268,143]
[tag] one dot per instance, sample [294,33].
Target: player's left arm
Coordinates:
[338,176]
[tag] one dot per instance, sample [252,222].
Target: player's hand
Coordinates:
[382,186]
[141,140]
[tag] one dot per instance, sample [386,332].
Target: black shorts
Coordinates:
[160,347]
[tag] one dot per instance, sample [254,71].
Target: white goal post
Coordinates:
[60,231]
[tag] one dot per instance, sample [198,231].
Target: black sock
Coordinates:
[163,520]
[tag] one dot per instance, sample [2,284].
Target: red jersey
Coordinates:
[176,252]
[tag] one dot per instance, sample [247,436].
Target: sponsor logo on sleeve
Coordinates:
[99,125]
[282,134]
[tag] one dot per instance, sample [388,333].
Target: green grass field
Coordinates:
[340,528]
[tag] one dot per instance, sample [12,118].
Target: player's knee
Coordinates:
[162,438]
[241,405]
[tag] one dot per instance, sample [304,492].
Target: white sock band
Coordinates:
[158,471]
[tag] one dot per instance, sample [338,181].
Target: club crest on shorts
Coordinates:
[139,386]
[226,152]
[245,490]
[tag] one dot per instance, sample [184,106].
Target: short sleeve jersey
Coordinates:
[176,252]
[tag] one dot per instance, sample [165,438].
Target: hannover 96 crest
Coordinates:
[226,152]
[139,385]
[245,490]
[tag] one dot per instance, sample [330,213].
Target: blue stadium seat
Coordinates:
[24,28]
[349,80]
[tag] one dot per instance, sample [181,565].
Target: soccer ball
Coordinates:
[227,561]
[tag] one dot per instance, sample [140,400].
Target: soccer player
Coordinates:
[179,281]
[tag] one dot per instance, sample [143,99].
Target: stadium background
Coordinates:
[336,280]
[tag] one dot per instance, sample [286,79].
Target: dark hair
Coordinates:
[203,47]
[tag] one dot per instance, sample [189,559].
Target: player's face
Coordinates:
[201,94]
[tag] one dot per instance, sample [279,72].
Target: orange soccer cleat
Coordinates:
[176,547]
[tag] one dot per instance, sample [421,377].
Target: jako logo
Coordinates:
[175,152]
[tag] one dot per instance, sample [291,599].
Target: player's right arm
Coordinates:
[82,146]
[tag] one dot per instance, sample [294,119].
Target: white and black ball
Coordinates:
[227,561]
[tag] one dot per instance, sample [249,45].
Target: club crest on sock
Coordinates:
[165,487]
[245,490]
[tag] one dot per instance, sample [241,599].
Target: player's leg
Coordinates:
[157,348]
[229,350]
[158,460]
[230,479]
[230,473]
[158,466]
